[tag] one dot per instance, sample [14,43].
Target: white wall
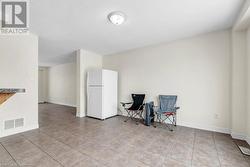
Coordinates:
[198,70]
[238,101]
[240,84]
[43,84]
[19,69]
[62,84]
[248,88]
[86,60]
[241,75]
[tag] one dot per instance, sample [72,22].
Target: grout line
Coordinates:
[216,149]
[66,145]
[244,156]
[73,147]
[43,150]
[193,147]
[9,154]
[246,160]
[195,135]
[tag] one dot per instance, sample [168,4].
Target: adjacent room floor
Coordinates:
[64,140]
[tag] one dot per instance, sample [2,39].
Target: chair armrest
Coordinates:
[124,104]
[176,108]
[162,112]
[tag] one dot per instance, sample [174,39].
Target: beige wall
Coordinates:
[19,69]
[43,84]
[240,75]
[86,60]
[248,87]
[62,84]
[65,83]
[238,101]
[196,69]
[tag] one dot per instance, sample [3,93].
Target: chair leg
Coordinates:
[126,119]
[133,115]
[127,116]
[158,119]
[137,114]
[154,125]
[175,119]
[171,125]
[133,118]
[130,115]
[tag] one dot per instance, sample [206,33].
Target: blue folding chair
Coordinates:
[167,110]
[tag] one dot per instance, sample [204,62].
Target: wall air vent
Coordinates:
[19,122]
[15,123]
[9,124]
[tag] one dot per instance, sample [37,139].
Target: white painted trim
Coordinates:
[208,128]
[239,136]
[80,115]
[18,130]
[64,104]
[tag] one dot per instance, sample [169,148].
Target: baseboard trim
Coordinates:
[80,115]
[64,104]
[238,136]
[196,126]
[20,130]
[208,128]
[40,102]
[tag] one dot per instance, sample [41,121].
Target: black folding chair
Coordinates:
[136,109]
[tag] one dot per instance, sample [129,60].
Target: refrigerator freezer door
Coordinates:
[94,106]
[95,77]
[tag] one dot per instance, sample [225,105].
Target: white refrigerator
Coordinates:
[102,93]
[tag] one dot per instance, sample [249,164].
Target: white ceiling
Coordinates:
[67,25]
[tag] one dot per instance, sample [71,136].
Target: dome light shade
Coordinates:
[116,18]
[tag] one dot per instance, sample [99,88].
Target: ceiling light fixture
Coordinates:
[116,18]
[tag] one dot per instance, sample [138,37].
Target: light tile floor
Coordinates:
[64,140]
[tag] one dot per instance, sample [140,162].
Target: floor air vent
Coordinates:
[245,150]
[15,123]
